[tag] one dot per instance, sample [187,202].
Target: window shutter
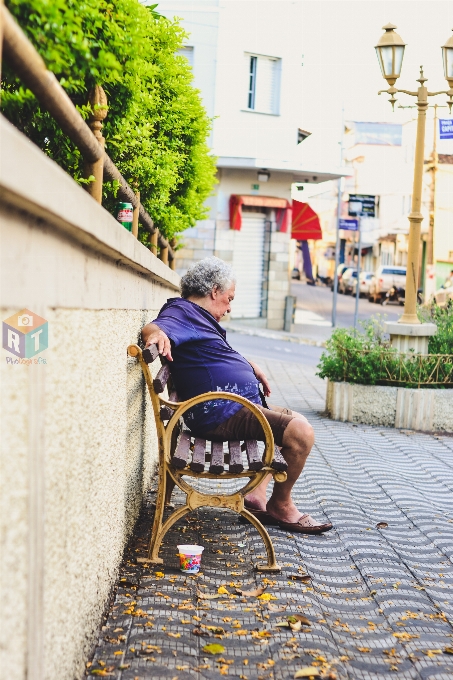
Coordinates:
[266,81]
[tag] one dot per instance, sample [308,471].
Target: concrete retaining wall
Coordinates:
[414,409]
[78,441]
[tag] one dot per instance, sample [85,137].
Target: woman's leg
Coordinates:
[257,500]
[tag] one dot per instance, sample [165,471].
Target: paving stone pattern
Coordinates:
[379,601]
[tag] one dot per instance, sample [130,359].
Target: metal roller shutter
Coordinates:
[248,265]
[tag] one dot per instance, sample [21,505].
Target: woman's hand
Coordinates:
[153,335]
[261,377]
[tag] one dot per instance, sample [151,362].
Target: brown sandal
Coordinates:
[262,516]
[298,528]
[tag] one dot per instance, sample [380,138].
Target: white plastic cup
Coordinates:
[190,558]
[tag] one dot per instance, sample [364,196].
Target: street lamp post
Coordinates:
[408,332]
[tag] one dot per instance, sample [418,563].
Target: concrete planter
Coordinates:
[414,409]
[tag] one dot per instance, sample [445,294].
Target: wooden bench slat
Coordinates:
[150,354]
[217,461]
[235,457]
[198,455]
[161,379]
[279,463]
[181,455]
[166,412]
[253,455]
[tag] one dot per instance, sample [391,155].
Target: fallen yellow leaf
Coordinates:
[405,636]
[307,672]
[213,649]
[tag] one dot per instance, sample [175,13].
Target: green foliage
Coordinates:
[345,359]
[442,341]
[156,127]
[367,359]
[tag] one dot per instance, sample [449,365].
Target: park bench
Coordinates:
[183,456]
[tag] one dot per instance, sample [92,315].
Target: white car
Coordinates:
[444,294]
[386,277]
[365,280]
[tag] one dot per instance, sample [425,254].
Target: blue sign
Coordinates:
[350,225]
[387,134]
[446,128]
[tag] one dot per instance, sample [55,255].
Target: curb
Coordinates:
[274,335]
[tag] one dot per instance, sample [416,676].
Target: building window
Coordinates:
[252,82]
[263,84]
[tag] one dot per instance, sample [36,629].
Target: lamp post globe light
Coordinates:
[408,333]
[390,53]
[447,53]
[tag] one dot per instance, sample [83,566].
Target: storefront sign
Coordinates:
[362,204]
[446,128]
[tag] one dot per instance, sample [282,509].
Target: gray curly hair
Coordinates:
[205,275]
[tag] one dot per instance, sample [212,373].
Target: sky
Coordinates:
[341,68]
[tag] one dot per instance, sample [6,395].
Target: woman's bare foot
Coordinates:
[254,502]
[284,512]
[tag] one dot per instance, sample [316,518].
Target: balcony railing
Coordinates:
[31,69]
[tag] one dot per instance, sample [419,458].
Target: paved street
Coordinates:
[314,310]
[379,599]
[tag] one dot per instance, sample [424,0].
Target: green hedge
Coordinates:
[368,359]
[156,128]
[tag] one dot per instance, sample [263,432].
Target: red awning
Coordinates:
[281,205]
[305,224]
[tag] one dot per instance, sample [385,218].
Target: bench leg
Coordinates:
[169,489]
[271,565]
[158,537]
[158,516]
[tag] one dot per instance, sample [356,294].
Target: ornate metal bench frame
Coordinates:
[174,452]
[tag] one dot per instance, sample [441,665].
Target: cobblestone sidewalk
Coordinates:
[379,599]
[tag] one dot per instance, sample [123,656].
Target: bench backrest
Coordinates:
[150,354]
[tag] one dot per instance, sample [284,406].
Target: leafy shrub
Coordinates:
[156,127]
[366,358]
[442,341]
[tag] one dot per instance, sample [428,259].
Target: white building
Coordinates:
[247,63]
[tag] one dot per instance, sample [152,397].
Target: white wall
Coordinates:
[256,27]
[221,35]
[78,442]
[443,235]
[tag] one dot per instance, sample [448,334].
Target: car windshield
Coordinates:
[394,272]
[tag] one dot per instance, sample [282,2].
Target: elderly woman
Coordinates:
[187,332]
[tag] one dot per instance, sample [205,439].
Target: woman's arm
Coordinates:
[261,377]
[153,335]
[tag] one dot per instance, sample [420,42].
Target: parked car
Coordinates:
[365,280]
[386,277]
[345,283]
[340,269]
[444,294]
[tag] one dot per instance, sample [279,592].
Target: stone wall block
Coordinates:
[426,410]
